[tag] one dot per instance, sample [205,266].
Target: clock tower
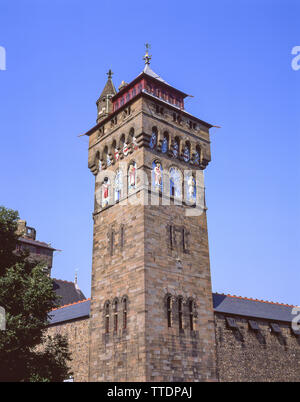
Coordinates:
[151,313]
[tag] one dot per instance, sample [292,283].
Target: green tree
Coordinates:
[26,294]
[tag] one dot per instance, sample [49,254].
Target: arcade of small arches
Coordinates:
[115,314]
[173,146]
[181,313]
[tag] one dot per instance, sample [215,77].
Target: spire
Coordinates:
[75,281]
[147,69]
[104,104]
[147,57]
[109,88]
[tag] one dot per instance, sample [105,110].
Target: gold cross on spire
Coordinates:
[147,57]
[109,74]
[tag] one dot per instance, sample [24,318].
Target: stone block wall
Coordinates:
[247,355]
[77,332]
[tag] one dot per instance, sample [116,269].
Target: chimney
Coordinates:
[21,229]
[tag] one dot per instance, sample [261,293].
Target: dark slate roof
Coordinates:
[252,308]
[226,304]
[67,292]
[36,243]
[71,312]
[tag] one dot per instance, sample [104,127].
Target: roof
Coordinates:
[247,307]
[68,292]
[69,312]
[226,304]
[36,243]
[109,89]
[148,70]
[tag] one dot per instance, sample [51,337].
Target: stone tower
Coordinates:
[151,303]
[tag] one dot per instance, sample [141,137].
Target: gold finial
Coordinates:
[109,74]
[147,57]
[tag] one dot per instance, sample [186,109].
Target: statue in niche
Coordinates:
[108,161]
[153,140]
[118,185]
[196,158]
[125,149]
[164,146]
[186,154]
[175,182]
[157,175]
[134,143]
[105,192]
[132,173]
[117,155]
[175,149]
[191,193]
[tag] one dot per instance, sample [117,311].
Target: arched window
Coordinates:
[131,136]
[165,143]
[125,312]
[132,175]
[153,139]
[175,148]
[169,311]
[106,317]
[115,315]
[118,185]
[191,188]
[180,312]
[187,152]
[191,314]
[175,182]
[157,176]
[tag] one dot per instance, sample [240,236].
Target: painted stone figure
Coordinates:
[132,173]
[153,140]
[117,155]
[125,149]
[175,182]
[100,165]
[197,158]
[175,149]
[108,161]
[105,192]
[191,189]
[186,154]
[157,175]
[134,143]
[164,146]
[118,185]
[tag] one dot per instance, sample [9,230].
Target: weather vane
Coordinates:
[147,57]
[109,74]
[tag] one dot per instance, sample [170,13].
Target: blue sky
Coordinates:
[234,57]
